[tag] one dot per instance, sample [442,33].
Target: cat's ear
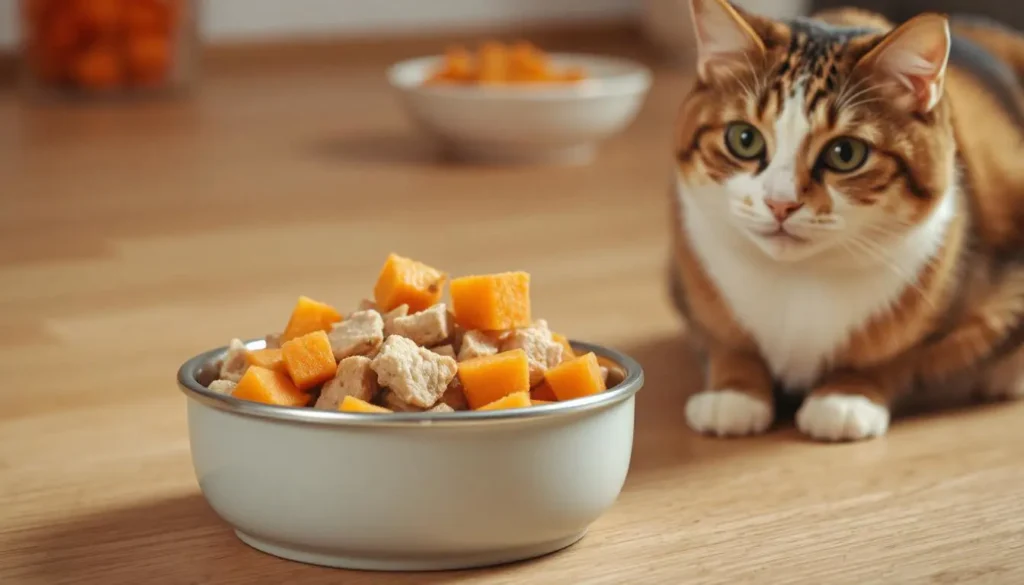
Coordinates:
[915,56]
[724,38]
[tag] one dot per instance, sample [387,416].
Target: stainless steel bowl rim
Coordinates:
[190,386]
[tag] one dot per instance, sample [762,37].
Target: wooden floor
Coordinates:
[133,237]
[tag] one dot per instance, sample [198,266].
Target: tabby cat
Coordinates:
[849,214]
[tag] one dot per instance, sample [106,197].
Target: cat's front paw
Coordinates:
[728,413]
[842,417]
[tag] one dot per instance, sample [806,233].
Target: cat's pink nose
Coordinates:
[782,209]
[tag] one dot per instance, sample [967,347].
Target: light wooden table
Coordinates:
[134,237]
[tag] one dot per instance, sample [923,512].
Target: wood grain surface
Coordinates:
[134,236]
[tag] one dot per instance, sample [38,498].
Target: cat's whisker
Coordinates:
[887,231]
[758,80]
[748,92]
[863,103]
[848,101]
[883,256]
[846,89]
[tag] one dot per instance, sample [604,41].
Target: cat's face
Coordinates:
[806,137]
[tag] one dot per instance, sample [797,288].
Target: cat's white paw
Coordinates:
[842,417]
[728,413]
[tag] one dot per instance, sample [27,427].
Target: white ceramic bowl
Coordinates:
[410,491]
[521,123]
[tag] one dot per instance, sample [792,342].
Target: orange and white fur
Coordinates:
[849,216]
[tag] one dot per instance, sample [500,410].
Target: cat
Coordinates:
[848,216]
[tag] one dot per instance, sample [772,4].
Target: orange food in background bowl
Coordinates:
[105,45]
[496,63]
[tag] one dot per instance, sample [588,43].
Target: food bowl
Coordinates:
[410,491]
[527,123]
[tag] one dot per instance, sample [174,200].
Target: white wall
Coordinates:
[230,20]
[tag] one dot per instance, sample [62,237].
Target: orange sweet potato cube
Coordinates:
[494,61]
[543,392]
[309,316]
[309,359]
[535,402]
[271,359]
[576,378]
[407,282]
[514,400]
[353,404]
[492,377]
[269,387]
[492,302]
[567,351]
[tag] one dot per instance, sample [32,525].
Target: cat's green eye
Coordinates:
[845,155]
[744,141]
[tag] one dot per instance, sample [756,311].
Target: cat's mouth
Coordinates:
[780,233]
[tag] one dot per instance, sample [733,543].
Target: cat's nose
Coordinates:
[782,209]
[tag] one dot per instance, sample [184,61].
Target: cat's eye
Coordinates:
[845,155]
[744,141]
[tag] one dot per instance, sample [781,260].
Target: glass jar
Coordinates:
[108,47]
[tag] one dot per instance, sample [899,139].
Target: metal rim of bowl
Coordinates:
[190,386]
[636,80]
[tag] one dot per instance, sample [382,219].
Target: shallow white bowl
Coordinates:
[410,491]
[556,123]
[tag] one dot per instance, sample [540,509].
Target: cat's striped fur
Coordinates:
[855,285]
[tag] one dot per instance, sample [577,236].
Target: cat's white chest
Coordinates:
[799,322]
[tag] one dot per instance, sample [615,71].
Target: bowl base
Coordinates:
[398,563]
[520,155]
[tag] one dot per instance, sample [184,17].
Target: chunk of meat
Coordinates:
[442,407]
[454,397]
[446,349]
[360,334]
[390,400]
[415,374]
[541,349]
[477,344]
[390,316]
[426,328]
[222,386]
[235,362]
[354,378]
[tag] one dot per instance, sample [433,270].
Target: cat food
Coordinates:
[414,374]
[405,351]
[353,404]
[360,334]
[272,359]
[478,344]
[309,316]
[354,378]
[493,302]
[309,360]
[407,282]
[576,378]
[542,350]
[428,327]
[514,400]
[270,387]
[488,378]
[499,64]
